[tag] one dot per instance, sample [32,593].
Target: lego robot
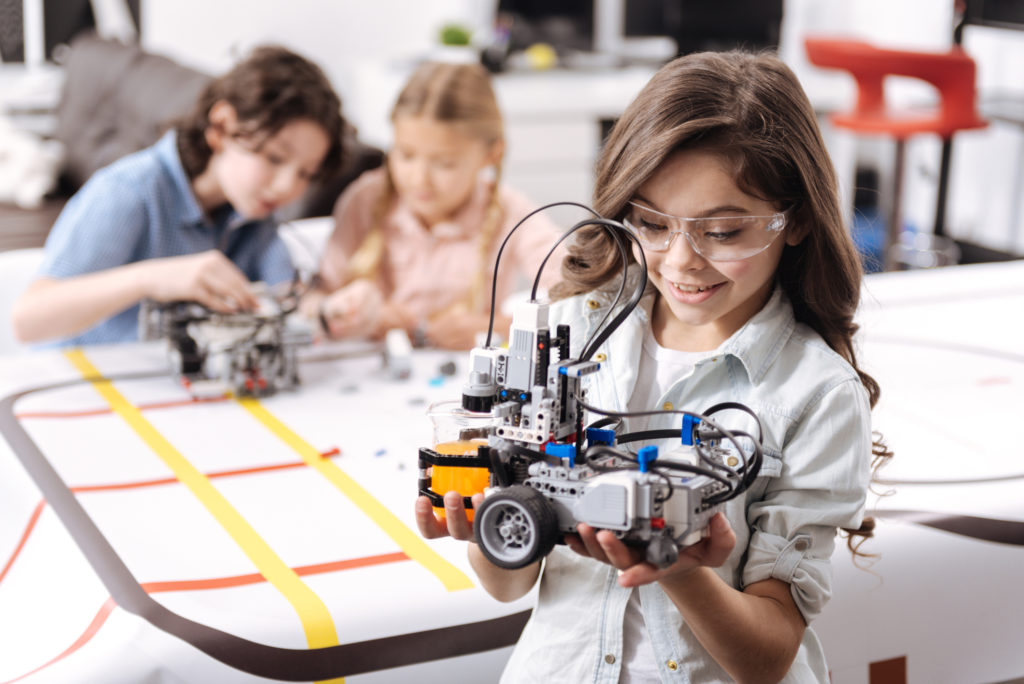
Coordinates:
[247,353]
[547,472]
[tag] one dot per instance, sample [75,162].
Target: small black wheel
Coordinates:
[515,527]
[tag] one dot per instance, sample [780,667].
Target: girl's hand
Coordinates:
[455,524]
[603,545]
[209,278]
[455,328]
[354,309]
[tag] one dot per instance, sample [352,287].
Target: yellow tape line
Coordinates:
[411,543]
[316,619]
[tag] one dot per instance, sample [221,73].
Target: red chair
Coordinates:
[952,73]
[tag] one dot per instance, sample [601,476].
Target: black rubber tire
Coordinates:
[515,527]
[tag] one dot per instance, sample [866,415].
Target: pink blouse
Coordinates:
[426,270]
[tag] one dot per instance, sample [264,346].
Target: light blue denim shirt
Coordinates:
[817,438]
[142,207]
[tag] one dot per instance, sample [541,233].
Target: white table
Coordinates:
[199,540]
[942,603]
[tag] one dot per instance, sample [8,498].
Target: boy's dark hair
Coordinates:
[272,87]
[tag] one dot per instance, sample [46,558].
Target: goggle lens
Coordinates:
[716,238]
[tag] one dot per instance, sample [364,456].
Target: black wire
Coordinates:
[622,255]
[497,258]
[607,420]
[749,474]
[645,435]
[657,467]
[739,407]
[599,337]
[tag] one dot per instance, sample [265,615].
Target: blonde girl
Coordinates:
[414,242]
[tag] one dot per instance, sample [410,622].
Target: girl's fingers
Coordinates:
[455,512]
[430,527]
[617,553]
[588,536]
[639,574]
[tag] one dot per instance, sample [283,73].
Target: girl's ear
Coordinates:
[222,123]
[795,234]
[795,237]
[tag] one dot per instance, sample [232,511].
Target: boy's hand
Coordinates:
[711,551]
[455,524]
[209,278]
[354,309]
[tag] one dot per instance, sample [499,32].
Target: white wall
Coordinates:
[337,34]
[352,38]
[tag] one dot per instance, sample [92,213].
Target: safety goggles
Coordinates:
[716,238]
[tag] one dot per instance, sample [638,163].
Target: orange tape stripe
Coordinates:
[33,519]
[85,413]
[89,633]
[256,578]
[212,583]
[211,475]
[147,483]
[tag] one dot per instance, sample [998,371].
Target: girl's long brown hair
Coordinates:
[272,87]
[751,109]
[456,94]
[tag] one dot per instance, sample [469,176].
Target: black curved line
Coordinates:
[242,654]
[994,530]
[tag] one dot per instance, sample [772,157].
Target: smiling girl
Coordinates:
[190,218]
[719,171]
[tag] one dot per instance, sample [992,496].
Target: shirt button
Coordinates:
[593,303]
[672,665]
[801,544]
[610,659]
[667,406]
[600,357]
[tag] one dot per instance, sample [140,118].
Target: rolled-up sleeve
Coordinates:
[822,486]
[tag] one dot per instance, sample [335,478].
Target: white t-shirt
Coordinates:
[660,368]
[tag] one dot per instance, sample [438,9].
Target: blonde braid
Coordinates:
[366,261]
[480,290]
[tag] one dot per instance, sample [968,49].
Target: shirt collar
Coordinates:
[167,152]
[756,345]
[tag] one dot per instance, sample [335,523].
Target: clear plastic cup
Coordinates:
[458,432]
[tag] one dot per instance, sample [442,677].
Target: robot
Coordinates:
[547,472]
[246,353]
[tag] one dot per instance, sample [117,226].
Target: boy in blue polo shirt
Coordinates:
[190,218]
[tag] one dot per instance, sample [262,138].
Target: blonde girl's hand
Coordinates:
[354,309]
[455,328]
[209,278]
[455,524]
[602,545]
